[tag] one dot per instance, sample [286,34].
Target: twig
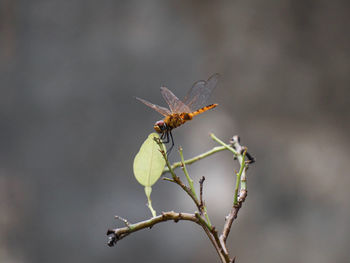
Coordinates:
[202,208]
[168,179]
[178,181]
[230,218]
[189,179]
[201,181]
[228,147]
[196,158]
[120,233]
[238,180]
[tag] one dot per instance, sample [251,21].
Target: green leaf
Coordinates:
[149,162]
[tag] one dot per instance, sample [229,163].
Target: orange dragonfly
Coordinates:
[182,111]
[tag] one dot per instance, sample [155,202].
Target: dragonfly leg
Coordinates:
[172,142]
[165,135]
[162,136]
[165,139]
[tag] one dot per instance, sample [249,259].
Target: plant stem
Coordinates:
[228,147]
[238,177]
[196,158]
[189,179]
[202,207]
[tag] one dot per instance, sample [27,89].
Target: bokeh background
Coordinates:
[70,126]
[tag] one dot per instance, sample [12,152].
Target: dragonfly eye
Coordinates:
[160,126]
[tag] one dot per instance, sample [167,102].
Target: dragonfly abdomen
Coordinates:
[204,109]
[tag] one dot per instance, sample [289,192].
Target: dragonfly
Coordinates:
[180,112]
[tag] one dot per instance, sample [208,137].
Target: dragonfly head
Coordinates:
[160,126]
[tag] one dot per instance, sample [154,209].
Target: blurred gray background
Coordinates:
[70,126]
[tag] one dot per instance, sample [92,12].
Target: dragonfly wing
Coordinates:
[175,105]
[160,109]
[198,95]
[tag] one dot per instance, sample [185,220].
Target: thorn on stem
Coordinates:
[126,222]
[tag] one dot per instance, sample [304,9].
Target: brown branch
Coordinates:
[222,246]
[120,233]
[232,216]
[178,181]
[212,239]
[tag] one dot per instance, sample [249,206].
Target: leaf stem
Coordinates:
[148,191]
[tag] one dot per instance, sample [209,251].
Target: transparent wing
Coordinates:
[198,95]
[175,105]
[160,109]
